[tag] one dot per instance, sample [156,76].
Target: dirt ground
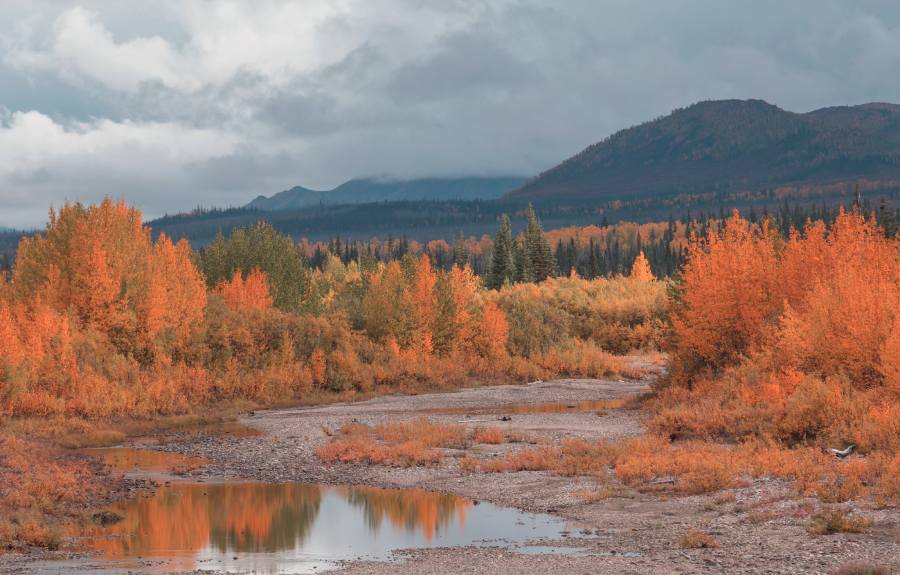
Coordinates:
[761,529]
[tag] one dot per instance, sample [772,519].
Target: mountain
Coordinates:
[728,147]
[368,190]
[706,158]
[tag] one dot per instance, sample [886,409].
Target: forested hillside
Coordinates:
[722,149]
[371,190]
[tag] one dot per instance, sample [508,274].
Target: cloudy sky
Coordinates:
[175,104]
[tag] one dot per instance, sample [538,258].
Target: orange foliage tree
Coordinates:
[640,270]
[249,293]
[795,339]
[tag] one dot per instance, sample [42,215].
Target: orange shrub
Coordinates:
[793,342]
[697,539]
[489,435]
[402,444]
[37,487]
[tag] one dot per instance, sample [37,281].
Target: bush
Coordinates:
[697,539]
[830,521]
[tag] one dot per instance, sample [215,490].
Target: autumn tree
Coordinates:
[260,247]
[457,311]
[640,270]
[424,304]
[493,332]
[247,293]
[727,297]
[175,303]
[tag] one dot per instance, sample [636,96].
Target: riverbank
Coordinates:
[760,527]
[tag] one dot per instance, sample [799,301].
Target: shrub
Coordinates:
[862,568]
[401,444]
[490,435]
[697,539]
[832,520]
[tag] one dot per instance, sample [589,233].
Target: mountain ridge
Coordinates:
[369,190]
[728,146]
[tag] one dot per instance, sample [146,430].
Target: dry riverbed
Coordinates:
[760,528]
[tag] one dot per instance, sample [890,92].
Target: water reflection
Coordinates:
[146,462]
[292,528]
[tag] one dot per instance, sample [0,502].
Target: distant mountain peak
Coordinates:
[384,188]
[728,145]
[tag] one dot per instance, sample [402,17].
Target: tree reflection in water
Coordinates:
[182,520]
[409,509]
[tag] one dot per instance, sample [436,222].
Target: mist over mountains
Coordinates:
[710,156]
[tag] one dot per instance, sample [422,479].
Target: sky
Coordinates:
[184,103]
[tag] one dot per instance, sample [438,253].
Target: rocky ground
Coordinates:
[760,528]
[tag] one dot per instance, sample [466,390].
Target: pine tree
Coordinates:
[571,257]
[460,252]
[537,249]
[502,263]
[593,264]
[522,265]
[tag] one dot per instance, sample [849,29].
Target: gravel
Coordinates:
[762,530]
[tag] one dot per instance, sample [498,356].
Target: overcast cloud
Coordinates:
[183,103]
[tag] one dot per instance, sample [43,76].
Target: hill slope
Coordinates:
[367,190]
[728,146]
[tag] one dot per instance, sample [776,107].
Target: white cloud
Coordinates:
[275,40]
[82,42]
[43,162]
[177,103]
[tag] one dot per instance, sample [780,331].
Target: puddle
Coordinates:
[297,528]
[600,405]
[243,527]
[145,462]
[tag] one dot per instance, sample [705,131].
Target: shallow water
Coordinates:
[145,462]
[292,528]
[284,528]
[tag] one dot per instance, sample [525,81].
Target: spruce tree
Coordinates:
[562,263]
[572,257]
[537,250]
[502,264]
[460,252]
[523,266]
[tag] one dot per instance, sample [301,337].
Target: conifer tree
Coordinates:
[537,249]
[502,264]
[523,266]
[460,252]
[593,264]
